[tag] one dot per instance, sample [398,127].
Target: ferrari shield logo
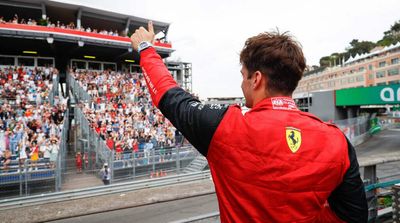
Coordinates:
[293,138]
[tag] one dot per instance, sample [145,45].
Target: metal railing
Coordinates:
[158,162]
[77,89]
[101,190]
[54,90]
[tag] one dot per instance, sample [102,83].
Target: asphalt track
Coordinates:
[387,141]
[160,212]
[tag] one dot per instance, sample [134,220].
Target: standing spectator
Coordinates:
[34,155]
[78,162]
[105,174]
[86,160]
[54,152]
[22,155]
[46,150]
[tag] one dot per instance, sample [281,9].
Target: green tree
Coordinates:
[362,47]
[325,61]
[391,36]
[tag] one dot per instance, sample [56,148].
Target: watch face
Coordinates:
[143,44]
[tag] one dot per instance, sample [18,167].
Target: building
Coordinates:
[39,33]
[316,91]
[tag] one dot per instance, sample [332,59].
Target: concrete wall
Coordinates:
[323,106]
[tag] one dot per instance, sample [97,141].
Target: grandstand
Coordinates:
[72,94]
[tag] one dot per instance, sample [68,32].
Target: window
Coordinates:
[109,66]
[371,76]
[360,78]
[395,61]
[361,69]
[393,72]
[394,82]
[380,74]
[382,64]
[7,61]
[94,66]
[23,61]
[380,84]
[343,81]
[79,64]
[351,79]
[370,67]
[41,62]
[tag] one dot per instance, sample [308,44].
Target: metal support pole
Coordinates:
[112,165]
[178,162]
[133,165]
[153,161]
[26,178]
[370,174]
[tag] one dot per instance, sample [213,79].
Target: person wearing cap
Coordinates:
[105,174]
[274,163]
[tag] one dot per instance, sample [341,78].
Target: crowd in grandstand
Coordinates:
[58,24]
[70,25]
[122,113]
[29,126]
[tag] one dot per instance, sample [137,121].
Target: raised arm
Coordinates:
[196,121]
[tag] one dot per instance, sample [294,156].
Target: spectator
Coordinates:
[34,155]
[78,162]
[105,174]
[6,159]
[54,152]
[46,150]
[22,147]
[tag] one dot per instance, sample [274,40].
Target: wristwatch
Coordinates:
[144,45]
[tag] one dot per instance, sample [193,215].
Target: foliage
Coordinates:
[390,37]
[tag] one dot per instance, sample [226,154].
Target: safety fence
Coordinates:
[77,89]
[54,90]
[381,174]
[354,127]
[153,163]
[156,162]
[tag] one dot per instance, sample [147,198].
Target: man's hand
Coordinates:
[142,34]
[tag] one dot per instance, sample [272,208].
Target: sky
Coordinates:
[210,33]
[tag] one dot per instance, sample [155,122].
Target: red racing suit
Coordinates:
[272,164]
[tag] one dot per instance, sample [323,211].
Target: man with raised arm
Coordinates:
[274,163]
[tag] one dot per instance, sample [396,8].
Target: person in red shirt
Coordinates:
[274,163]
[110,143]
[78,162]
[118,150]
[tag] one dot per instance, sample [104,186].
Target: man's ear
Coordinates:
[258,79]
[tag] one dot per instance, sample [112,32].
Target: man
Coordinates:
[275,163]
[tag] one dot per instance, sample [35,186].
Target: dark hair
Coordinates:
[278,57]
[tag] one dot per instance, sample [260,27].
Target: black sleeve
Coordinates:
[196,121]
[348,200]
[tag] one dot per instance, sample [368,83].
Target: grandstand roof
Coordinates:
[16,38]
[51,6]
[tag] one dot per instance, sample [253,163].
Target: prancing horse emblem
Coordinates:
[293,138]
